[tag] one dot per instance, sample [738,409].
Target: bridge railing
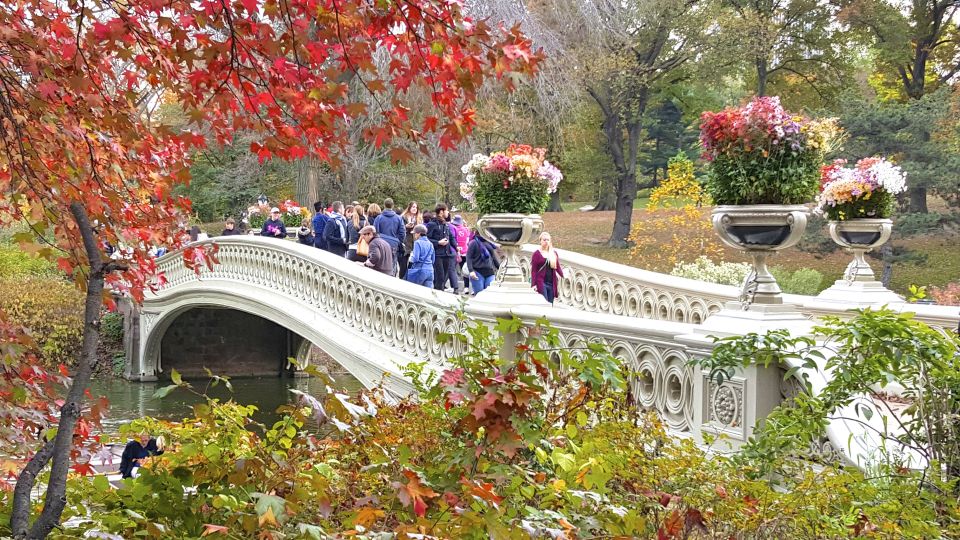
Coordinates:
[601,286]
[648,320]
[397,314]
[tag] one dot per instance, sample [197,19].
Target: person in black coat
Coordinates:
[482,262]
[230,228]
[335,231]
[444,246]
[135,452]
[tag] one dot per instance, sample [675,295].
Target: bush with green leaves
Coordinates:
[15,262]
[860,356]
[800,281]
[546,445]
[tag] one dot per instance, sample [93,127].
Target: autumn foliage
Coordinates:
[574,459]
[85,166]
[675,228]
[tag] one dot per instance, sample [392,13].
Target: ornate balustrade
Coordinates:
[373,324]
[600,286]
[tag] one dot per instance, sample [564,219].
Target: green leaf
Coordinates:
[175,377]
[162,392]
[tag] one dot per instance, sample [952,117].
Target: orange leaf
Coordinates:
[413,493]
[209,528]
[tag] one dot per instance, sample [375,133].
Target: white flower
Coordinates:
[889,176]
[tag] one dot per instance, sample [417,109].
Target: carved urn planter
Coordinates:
[859,285]
[510,231]
[858,236]
[760,230]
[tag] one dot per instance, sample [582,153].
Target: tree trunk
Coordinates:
[58,450]
[762,75]
[624,214]
[308,182]
[918,199]
[607,199]
[627,182]
[555,202]
[886,253]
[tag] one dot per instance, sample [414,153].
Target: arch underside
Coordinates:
[370,361]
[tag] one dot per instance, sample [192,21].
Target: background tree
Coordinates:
[786,45]
[917,47]
[81,165]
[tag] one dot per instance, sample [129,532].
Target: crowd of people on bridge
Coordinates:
[432,249]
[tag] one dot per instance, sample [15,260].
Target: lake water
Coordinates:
[132,400]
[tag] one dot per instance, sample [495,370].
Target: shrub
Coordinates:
[703,269]
[948,295]
[801,281]
[16,262]
[491,449]
[52,309]
[674,228]
[111,327]
[912,224]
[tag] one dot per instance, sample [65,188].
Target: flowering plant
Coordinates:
[291,213]
[762,154]
[518,180]
[865,191]
[257,215]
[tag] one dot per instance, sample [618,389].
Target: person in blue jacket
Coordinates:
[420,266]
[390,227]
[336,231]
[319,222]
[135,452]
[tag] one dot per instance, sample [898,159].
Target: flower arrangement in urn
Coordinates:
[518,180]
[291,213]
[762,154]
[864,191]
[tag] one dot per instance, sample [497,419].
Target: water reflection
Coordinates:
[132,400]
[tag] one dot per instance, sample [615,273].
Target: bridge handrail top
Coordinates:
[398,288]
[563,317]
[619,270]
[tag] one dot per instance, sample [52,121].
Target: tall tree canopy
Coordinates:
[917,46]
[83,165]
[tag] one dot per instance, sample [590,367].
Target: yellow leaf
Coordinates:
[367,516]
[268,518]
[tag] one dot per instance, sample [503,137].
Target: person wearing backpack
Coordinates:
[389,226]
[462,233]
[335,231]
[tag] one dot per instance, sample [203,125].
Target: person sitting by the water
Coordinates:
[136,451]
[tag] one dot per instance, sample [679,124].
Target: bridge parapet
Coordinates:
[600,286]
[374,324]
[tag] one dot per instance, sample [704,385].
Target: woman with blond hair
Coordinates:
[356,220]
[373,210]
[412,217]
[545,270]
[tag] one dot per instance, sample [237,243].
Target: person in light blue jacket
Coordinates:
[420,266]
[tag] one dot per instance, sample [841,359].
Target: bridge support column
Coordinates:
[136,326]
[498,302]
[732,411]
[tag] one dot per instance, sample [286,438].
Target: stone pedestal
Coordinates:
[733,410]
[858,287]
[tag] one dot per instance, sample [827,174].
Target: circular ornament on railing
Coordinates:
[726,406]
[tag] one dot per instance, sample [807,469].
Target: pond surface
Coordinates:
[132,400]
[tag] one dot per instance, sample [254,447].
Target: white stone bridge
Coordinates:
[373,324]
